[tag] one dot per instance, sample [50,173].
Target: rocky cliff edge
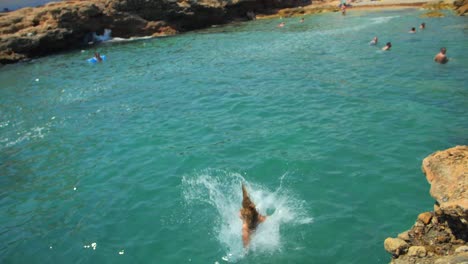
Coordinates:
[439,236]
[56,26]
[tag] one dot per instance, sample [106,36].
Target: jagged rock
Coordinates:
[395,246]
[461,7]
[63,25]
[457,259]
[404,236]
[8,56]
[432,14]
[417,251]
[461,249]
[425,217]
[440,236]
[438,5]
[447,172]
[56,26]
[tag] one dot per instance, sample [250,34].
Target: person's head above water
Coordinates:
[97,56]
[443,50]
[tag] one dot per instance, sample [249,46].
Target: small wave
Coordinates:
[222,191]
[4,123]
[37,132]
[114,40]
[381,20]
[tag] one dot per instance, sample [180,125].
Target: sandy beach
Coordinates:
[333,6]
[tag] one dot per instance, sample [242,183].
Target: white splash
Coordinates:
[92,245]
[4,123]
[385,19]
[222,191]
[33,133]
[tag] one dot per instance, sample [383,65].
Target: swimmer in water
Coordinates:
[374,41]
[422,26]
[441,57]
[251,218]
[388,46]
[413,30]
[302,20]
[281,24]
[97,56]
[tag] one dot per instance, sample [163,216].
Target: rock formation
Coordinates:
[56,26]
[461,7]
[440,236]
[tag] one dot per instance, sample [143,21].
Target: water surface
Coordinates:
[144,154]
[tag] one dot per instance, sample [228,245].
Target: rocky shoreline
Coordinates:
[440,236]
[31,32]
[57,26]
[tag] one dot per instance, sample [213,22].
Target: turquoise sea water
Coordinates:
[15,4]
[144,154]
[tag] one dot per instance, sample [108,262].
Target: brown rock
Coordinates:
[56,26]
[461,7]
[461,249]
[432,14]
[442,239]
[8,56]
[404,236]
[425,217]
[441,236]
[457,259]
[435,220]
[395,246]
[417,251]
[447,172]
[437,210]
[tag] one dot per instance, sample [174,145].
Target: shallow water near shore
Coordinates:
[144,154]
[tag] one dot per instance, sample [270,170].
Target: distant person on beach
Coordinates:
[441,57]
[422,26]
[281,24]
[374,41]
[413,30]
[343,9]
[97,56]
[251,218]
[387,46]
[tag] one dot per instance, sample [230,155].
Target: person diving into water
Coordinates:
[250,217]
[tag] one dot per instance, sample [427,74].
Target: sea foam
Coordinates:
[221,191]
